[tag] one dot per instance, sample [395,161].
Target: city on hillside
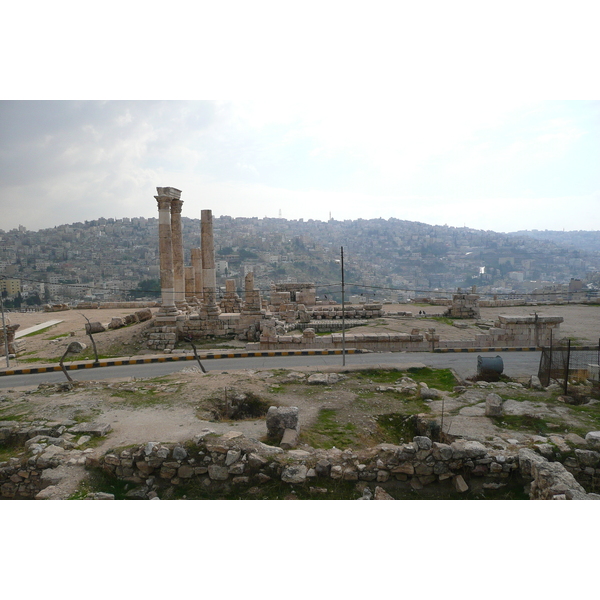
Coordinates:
[385,260]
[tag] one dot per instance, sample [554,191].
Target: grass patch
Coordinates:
[98,481]
[378,375]
[441,379]
[396,428]
[10,451]
[38,332]
[140,398]
[9,414]
[527,423]
[444,320]
[327,432]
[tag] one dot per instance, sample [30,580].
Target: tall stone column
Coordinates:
[209,275]
[165,247]
[178,268]
[197,266]
[189,283]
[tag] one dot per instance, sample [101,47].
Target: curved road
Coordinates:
[516,364]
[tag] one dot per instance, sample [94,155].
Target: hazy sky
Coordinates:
[449,113]
[500,166]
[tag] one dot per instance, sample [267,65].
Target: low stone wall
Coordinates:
[376,342]
[133,304]
[233,462]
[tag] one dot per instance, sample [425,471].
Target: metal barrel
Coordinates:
[490,364]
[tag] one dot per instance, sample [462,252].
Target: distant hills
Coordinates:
[588,241]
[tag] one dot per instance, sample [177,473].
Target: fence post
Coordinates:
[550,361]
[567,367]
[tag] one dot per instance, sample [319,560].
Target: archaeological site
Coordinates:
[392,429]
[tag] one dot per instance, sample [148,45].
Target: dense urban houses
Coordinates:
[395,260]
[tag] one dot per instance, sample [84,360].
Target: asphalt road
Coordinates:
[516,364]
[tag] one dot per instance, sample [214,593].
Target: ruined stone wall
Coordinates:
[133,304]
[14,345]
[233,462]
[377,342]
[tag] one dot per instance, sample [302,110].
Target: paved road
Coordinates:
[516,364]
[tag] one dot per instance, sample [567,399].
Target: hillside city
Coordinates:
[385,260]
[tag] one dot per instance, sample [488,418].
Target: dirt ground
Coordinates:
[581,324]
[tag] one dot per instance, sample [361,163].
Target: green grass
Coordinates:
[441,379]
[444,320]
[396,428]
[527,423]
[328,432]
[7,452]
[39,332]
[13,414]
[378,375]
[140,398]
[98,481]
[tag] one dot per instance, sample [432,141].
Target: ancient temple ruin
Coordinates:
[190,306]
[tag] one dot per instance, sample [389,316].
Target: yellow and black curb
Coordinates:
[119,362]
[521,349]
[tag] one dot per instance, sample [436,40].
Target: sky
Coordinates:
[357,115]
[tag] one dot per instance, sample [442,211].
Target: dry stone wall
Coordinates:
[233,462]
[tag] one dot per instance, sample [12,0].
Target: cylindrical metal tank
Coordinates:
[490,364]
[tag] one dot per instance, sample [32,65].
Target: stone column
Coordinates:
[209,275]
[177,237]
[165,247]
[189,283]
[197,266]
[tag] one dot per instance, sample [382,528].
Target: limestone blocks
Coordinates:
[283,424]
[464,306]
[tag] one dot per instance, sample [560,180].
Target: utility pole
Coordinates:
[343,311]
[4,331]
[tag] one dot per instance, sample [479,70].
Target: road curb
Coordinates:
[494,349]
[120,362]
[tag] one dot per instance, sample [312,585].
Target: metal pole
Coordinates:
[343,312]
[550,361]
[567,366]
[5,332]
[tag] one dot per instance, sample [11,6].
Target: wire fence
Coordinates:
[570,364]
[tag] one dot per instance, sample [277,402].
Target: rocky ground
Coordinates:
[354,408]
[351,408]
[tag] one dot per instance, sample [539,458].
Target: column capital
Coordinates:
[176,205]
[164,202]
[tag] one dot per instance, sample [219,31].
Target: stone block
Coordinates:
[218,472]
[289,439]
[281,418]
[593,439]
[493,405]
[460,485]
[294,474]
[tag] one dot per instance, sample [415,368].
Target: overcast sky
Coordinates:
[499,166]
[360,114]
